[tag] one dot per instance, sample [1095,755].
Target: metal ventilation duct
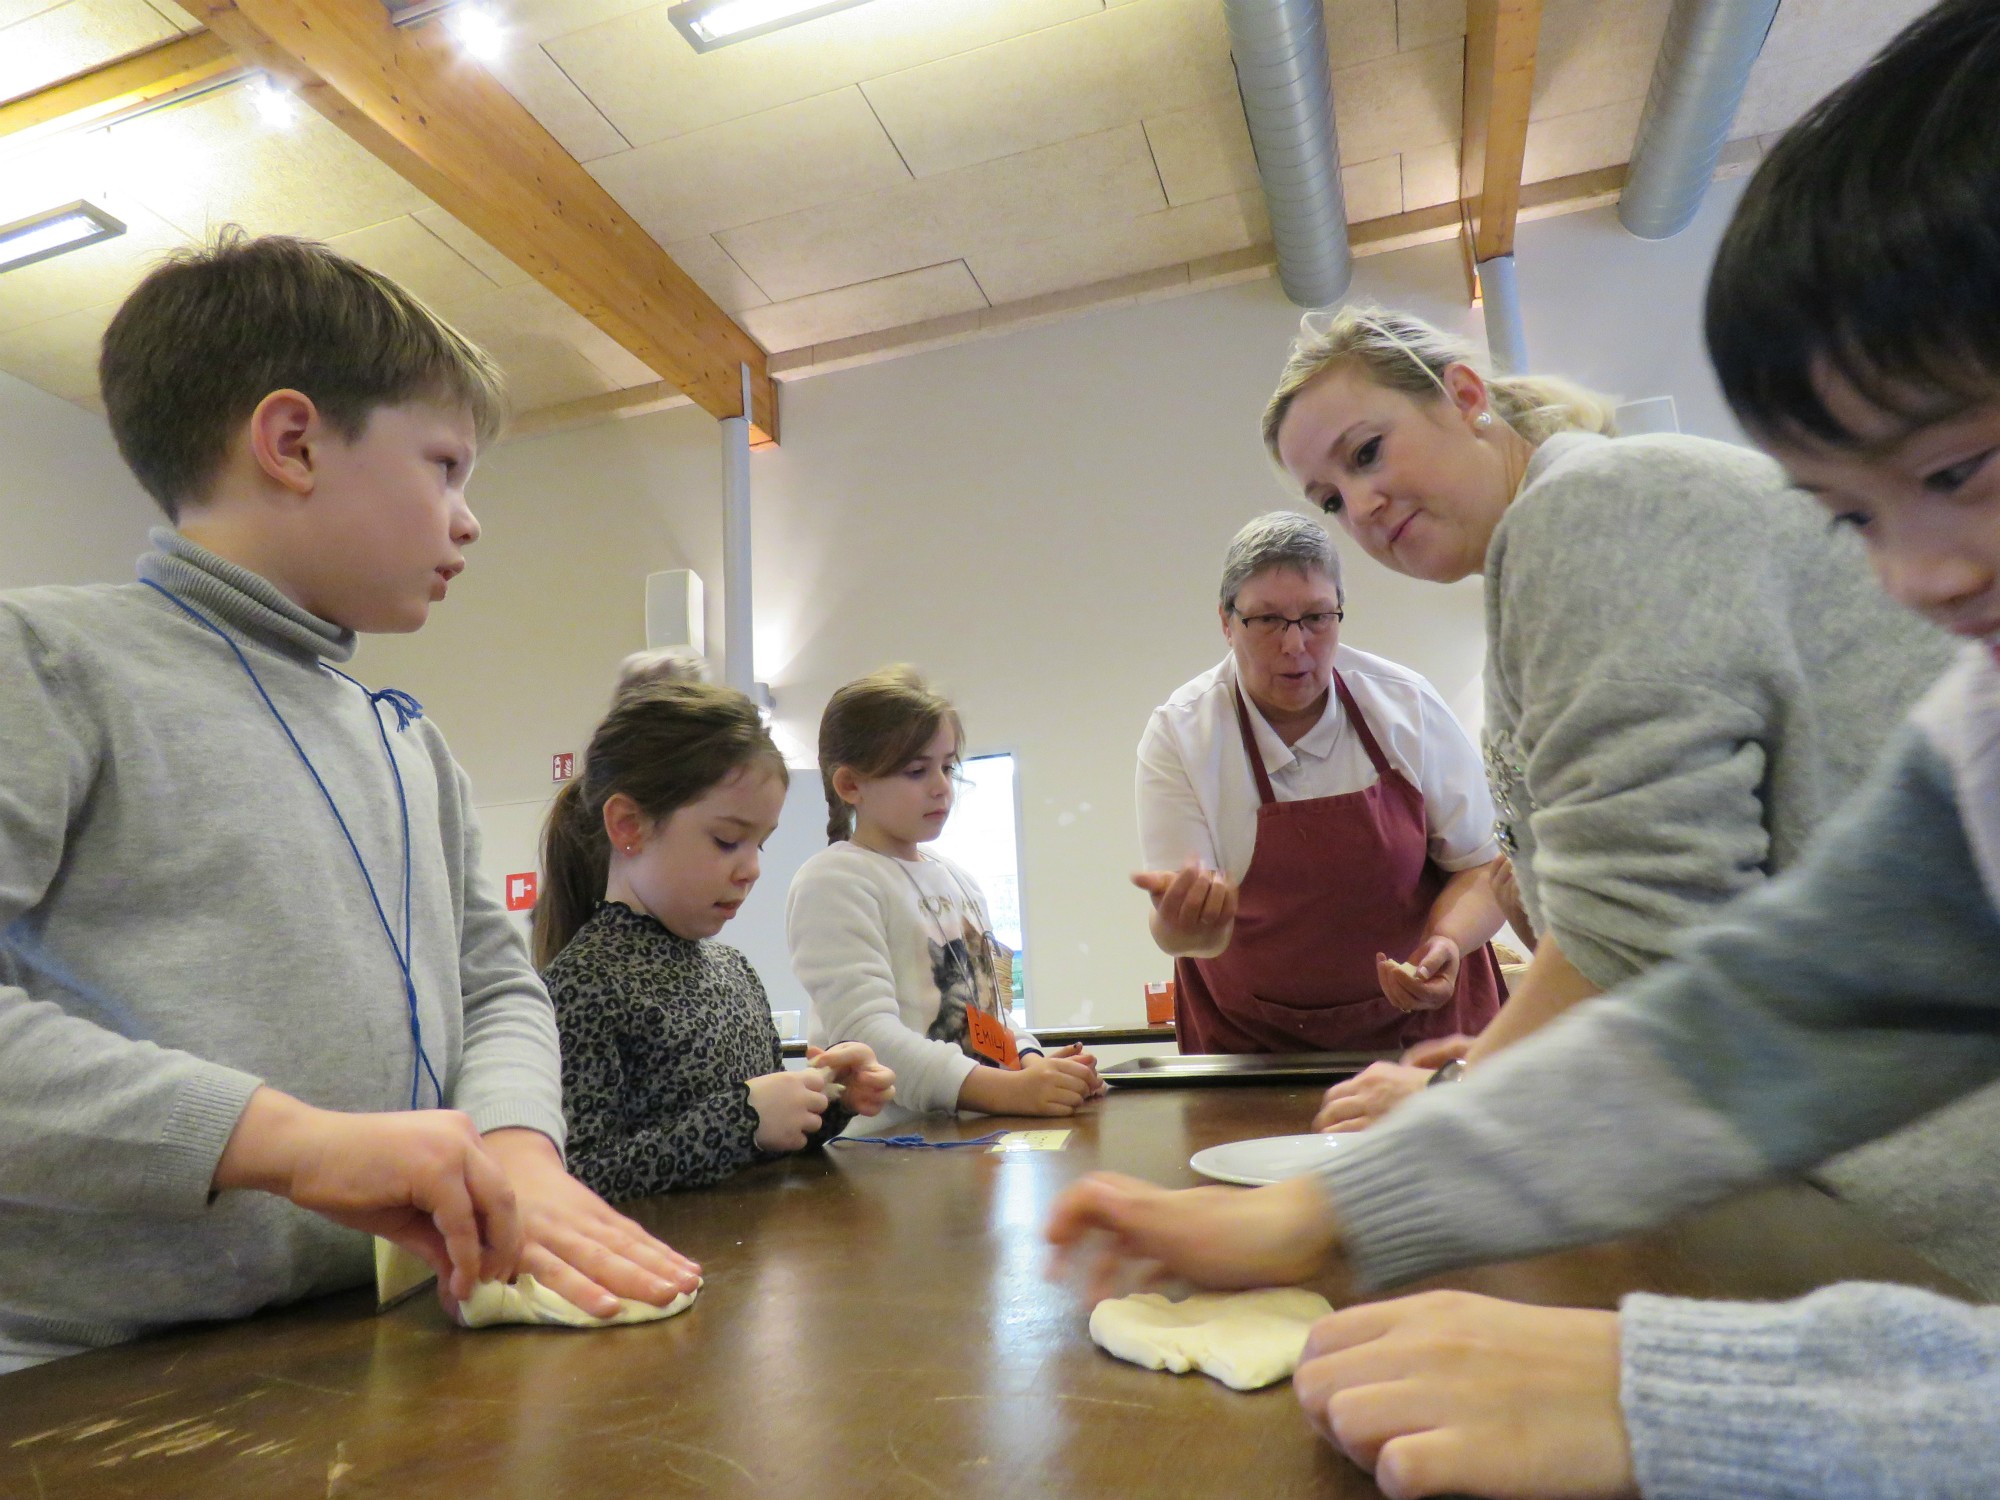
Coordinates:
[1286,82]
[1697,85]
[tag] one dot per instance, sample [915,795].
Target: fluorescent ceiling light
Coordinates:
[708,24]
[70,227]
[478,31]
[277,107]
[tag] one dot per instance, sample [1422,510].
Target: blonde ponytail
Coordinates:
[1400,353]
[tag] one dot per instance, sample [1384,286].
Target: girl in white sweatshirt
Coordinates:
[894,944]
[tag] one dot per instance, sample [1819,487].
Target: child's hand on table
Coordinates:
[1074,1051]
[475,1208]
[868,1084]
[1042,1085]
[1108,1226]
[576,1244]
[422,1178]
[789,1104]
[1448,1393]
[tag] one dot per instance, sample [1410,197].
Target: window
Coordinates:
[984,836]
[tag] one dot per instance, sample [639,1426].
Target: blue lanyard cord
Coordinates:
[406,709]
[912,1141]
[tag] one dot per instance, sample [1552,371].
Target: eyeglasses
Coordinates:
[1273,627]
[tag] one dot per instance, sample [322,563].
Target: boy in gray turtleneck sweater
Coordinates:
[255,998]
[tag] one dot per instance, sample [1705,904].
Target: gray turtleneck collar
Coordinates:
[235,596]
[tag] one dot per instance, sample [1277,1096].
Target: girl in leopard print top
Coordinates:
[672,1074]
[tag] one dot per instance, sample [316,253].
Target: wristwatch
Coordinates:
[1451,1072]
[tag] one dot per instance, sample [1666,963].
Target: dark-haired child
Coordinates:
[1854,319]
[258,1003]
[673,1074]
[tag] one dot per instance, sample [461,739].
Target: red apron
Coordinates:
[1333,882]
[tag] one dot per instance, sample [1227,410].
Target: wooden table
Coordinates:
[1062,1036]
[875,1324]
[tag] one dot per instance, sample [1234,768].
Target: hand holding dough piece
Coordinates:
[834,1091]
[526,1300]
[399,1274]
[1246,1340]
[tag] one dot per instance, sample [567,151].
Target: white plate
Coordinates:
[1271,1158]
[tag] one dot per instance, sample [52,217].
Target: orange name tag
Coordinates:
[990,1039]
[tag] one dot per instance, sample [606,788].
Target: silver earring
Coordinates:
[1484,419]
[631,848]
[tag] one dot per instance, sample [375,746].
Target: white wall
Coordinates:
[1037,520]
[1624,315]
[70,511]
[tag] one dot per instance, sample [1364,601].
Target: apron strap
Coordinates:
[1265,795]
[1354,717]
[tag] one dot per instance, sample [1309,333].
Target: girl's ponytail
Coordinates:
[575,860]
[873,726]
[839,816]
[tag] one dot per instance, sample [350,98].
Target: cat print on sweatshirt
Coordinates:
[965,975]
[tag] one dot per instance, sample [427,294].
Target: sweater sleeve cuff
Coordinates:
[949,1078]
[521,1112]
[181,1179]
[1604,966]
[1391,1226]
[1705,1387]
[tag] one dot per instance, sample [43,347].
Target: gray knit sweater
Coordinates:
[1687,671]
[1835,1003]
[184,920]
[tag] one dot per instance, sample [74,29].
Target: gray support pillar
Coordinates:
[1506,332]
[738,669]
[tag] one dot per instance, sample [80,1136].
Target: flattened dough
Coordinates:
[526,1300]
[1244,1339]
[398,1273]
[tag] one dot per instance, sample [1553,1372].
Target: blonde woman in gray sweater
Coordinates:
[1686,672]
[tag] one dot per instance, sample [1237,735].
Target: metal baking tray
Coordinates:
[1236,1068]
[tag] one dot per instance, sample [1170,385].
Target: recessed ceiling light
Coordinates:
[277,107]
[70,227]
[478,31]
[708,24]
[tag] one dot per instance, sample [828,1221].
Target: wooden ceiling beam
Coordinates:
[174,67]
[1500,40]
[416,102]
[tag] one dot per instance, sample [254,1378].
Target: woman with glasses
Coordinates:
[1316,828]
[1686,669]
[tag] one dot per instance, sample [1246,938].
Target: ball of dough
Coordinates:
[1246,1340]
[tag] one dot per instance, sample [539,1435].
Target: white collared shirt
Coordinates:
[1198,796]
